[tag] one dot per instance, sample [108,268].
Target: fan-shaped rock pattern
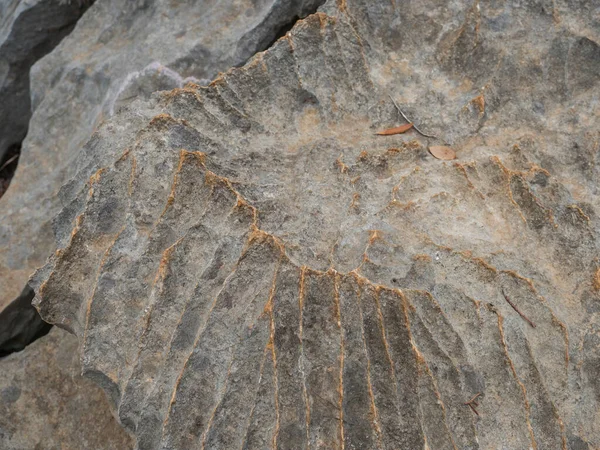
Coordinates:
[118,51]
[255,268]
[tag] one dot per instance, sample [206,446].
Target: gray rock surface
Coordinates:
[45,403]
[119,50]
[248,265]
[28,30]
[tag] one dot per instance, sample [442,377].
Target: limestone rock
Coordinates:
[28,31]
[45,403]
[120,50]
[248,265]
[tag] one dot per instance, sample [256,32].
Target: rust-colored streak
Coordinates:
[271,345]
[341,385]
[374,411]
[301,295]
[519,382]
[596,280]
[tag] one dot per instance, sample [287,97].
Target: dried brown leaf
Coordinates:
[442,152]
[396,130]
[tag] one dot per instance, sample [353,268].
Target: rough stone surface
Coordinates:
[248,265]
[45,403]
[118,51]
[28,31]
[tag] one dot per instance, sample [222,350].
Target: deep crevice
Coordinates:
[8,166]
[275,25]
[283,29]
[20,324]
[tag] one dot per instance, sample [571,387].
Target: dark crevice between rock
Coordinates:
[283,29]
[21,324]
[275,25]
[8,165]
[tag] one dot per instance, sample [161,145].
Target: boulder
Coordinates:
[249,265]
[45,403]
[28,31]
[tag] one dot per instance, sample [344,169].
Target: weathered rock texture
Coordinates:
[120,50]
[248,266]
[45,403]
[28,31]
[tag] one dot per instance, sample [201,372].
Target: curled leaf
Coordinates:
[396,130]
[442,152]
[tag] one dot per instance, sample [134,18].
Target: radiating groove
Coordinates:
[271,346]
[445,333]
[386,345]
[193,317]
[154,242]
[454,378]
[433,414]
[152,346]
[383,378]
[200,332]
[547,425]
[495,160]
[246,441]
[196,97]
[204,372]
[519,382]
[195,158]
[197,338]
[219,402]
[219,107]
[224,428]
[503,395]
[549,336]
[235,406]
[374,410]
[341,357]
[291,400]
[301,295]
[359,413]
[403,349]
[543,301]
[88,303]
[321,343]
[86,253]
[229,95]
